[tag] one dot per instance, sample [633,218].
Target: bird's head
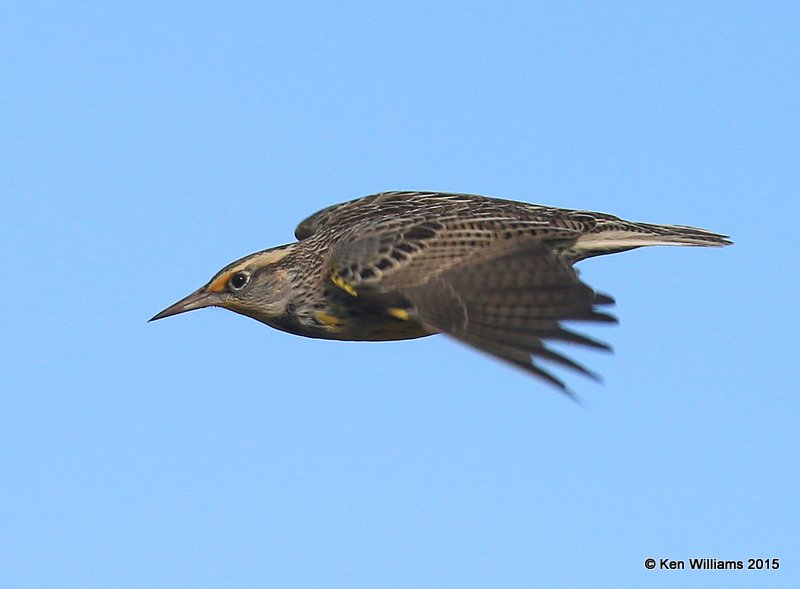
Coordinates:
[258,285]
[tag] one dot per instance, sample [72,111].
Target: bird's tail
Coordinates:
[612,236]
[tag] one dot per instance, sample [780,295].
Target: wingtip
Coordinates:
[572,396]
[601,298]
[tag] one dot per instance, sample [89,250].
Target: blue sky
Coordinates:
[146,145]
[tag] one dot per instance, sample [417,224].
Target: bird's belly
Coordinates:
[348,322]
[370,327]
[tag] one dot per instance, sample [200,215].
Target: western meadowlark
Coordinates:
[495,274]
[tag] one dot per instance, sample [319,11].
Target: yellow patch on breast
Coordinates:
[401,314]
[328,319]
[343,284]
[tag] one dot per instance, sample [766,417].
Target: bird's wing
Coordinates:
[502,291]
[396,208]
[309,226]
[348,214]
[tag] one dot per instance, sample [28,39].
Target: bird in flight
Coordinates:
[495,274]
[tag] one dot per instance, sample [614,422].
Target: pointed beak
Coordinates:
[197,300]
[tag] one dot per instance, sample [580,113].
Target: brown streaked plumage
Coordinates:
[493,273]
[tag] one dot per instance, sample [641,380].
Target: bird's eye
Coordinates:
[239,280]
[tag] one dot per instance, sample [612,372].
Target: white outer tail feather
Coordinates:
[642,235]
